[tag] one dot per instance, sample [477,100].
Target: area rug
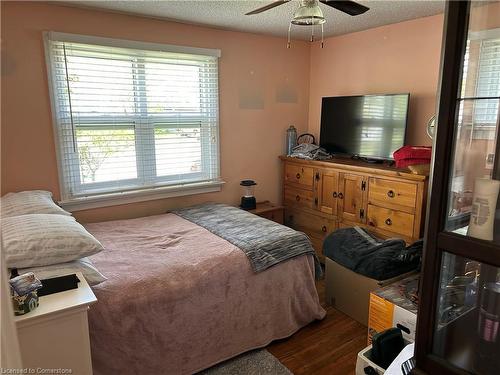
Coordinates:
[256,362]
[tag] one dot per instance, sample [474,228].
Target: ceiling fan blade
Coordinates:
[267,7]
[350,7]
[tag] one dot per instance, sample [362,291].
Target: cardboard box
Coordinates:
[390,307]
[349,291]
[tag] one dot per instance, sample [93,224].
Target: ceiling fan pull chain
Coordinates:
[312,30]
[322,36]
[289,31]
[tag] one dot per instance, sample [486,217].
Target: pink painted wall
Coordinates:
[251,66]
[398,58]
[394,58]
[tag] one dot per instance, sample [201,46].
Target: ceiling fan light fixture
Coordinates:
[308,14]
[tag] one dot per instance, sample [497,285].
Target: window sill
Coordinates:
[115,199]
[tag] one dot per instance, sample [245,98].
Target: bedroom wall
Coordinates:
[254,68]
[397,58]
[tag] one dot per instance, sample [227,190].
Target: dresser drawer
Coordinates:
[391,220]
[312,225]
[389,193]
[299,198]
[299,175]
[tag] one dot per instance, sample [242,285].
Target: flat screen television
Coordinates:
[367,126]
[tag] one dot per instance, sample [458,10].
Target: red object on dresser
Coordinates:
[412,155]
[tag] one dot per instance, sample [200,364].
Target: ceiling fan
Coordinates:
[310,14]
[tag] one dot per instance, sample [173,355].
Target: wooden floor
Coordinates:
[328,347]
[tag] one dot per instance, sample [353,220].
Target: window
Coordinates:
[133,117]
[488,83]
[481,84]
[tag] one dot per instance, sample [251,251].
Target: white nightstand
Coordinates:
[56,334]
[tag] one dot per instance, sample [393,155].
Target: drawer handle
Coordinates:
[297,176]
[323,228]
[390,194]
[334,194]
[388,221]
[341,196]
[316,201]
[297,198]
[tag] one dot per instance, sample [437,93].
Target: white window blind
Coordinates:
[488,83]
[132,116]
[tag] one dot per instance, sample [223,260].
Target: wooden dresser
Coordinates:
[321,196]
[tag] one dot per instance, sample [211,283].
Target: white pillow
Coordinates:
[84,265]
[30,202]
[43,239]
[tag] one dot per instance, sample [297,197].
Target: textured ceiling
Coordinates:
[230,15]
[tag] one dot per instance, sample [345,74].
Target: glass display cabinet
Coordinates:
[458,329]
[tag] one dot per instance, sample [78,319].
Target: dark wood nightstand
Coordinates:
[269,211]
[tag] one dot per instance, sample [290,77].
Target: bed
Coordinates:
[180,299]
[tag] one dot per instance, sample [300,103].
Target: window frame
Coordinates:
[100,194]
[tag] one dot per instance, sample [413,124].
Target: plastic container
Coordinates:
[365,360]
[484,201]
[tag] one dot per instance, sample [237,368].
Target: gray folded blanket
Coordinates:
[362,252]
[264,242]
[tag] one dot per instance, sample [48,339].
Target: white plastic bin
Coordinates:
[364,360]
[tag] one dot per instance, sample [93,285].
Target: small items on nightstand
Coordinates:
[269,211]
[248,199]
[24,292]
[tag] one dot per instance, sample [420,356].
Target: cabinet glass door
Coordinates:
[473,190]
[467,328]
[464,321]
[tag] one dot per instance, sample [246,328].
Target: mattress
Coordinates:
[179,299]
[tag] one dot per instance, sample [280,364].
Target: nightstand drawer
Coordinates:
[299,198]
[275,215]
[391,220]
[389,193]
[299,175]
[269,211]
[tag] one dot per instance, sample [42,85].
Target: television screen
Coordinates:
[369,126]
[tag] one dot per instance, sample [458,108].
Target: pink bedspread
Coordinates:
[179,299]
